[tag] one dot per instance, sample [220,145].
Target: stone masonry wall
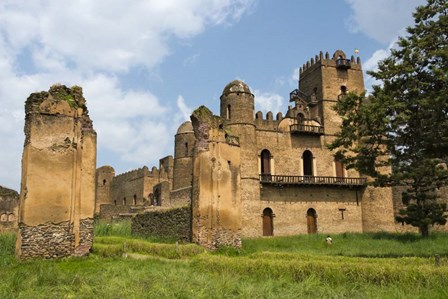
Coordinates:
[57,198]
[108,211]
[170,223]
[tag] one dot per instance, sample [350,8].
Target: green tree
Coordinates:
[403,124]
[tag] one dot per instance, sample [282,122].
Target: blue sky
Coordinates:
[144,65]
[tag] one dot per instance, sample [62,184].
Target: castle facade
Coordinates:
[246,175]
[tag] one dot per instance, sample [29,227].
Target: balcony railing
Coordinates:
[296,93]
[342,63]
[306,129]
[281,180]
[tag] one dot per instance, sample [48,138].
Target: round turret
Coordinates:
[183,156]
[186,127]
[184,141]
[237,103]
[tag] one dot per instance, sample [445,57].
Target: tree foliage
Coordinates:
[403,124]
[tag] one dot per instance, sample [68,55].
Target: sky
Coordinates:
[145,65]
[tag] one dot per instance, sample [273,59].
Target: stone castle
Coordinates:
[235,175]
[245,175]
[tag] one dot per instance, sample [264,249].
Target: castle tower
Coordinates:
[237,108]
[183,156]
[237,103]
[328,79]
[104,176]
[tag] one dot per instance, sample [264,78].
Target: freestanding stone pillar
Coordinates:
[216,199]
[57,198]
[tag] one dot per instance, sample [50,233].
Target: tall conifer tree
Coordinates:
[404,123]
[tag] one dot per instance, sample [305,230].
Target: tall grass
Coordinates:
[122,228]
[353,244]
[280,267]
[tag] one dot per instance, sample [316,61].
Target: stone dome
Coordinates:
[186,127]
[106,168]
[236,86]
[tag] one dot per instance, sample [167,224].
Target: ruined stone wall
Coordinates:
[172,223]
[166,166]
[181,197]
[216,199]
[57,198]
[9,209]
[109,211]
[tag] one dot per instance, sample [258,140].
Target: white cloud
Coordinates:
[90,43]
[372,64]
[110,35]
[184,109]
[266,101]
[381,19]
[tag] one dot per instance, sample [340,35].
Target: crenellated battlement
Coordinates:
[132,174]
[269,116]
[267,123]
[338,59]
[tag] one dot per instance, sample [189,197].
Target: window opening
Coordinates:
[307,163]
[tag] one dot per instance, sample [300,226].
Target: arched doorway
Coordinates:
[307,163]
[311,221]
[268,224]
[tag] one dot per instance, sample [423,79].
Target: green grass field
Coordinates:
[378,265]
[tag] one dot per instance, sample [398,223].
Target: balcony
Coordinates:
[306,129]
[283,180]
[298,94]
[342,63]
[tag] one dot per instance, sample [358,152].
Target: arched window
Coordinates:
[4,218]
[115,202]
[300,118]
[186,148]
[124,201]
[343,89]
[11,218]
[135,199]
[307,163]
[268,223]
[311,221]
[229,111]
[265,162]
[104,182]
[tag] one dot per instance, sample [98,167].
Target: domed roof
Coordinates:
[186,127]
[106,168]
[236,86]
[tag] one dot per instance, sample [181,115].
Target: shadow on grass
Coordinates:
[404,237]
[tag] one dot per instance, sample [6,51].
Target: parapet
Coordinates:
[267,123]
[337,58]
[132,174]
